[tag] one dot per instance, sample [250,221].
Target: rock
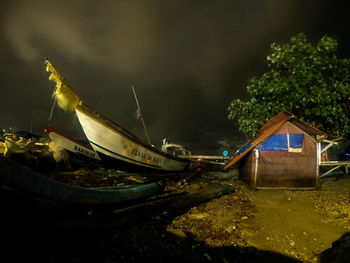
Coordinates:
[198,216]
[177,232]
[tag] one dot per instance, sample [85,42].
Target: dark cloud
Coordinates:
[186,59]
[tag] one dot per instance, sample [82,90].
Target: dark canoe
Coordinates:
[26,180]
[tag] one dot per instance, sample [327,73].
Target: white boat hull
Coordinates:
[116,145]
[67,143]
[113,144]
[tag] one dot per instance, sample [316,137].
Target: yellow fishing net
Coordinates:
[66,98]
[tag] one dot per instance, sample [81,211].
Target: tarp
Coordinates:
[283,143]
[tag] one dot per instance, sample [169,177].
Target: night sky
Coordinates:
[186,60]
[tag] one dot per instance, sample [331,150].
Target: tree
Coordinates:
[309,81]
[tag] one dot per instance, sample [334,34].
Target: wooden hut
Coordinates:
[285,154]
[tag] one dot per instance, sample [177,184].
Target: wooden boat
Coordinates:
[29,181]
[208,162]
[78,148]
[115,146]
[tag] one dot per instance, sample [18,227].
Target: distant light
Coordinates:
[225,153]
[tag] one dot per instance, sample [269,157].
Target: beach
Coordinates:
[206,216]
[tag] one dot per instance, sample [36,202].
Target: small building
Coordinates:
[285,154]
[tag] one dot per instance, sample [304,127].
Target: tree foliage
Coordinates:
[309,81]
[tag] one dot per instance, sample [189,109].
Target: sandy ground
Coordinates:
[297,224]
[194,220]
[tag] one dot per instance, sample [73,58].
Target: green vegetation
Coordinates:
[311,82]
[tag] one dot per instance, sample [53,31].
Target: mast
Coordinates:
[139,109]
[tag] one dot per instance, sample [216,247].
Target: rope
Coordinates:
[53,105]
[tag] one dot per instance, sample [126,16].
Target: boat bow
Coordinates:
[115,145]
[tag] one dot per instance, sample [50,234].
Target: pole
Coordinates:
[138,107]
